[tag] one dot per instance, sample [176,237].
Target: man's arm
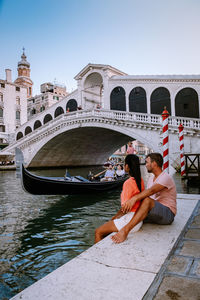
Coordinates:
[126,207]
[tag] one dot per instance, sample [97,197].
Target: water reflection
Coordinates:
[40,233]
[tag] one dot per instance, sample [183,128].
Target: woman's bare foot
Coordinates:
[120,236]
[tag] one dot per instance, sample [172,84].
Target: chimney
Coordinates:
[8,75]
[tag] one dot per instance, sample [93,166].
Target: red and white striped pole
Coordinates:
[180,128]
[165,116]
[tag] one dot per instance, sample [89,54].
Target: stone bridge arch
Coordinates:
[85,144]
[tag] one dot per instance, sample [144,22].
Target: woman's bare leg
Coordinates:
[104,230]
[146,205]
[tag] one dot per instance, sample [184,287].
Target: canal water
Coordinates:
[40,233]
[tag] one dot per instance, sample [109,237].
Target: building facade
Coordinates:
[13,108]
[50,94]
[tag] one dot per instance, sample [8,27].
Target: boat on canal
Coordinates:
[66,185]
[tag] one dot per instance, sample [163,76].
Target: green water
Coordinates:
[40,233]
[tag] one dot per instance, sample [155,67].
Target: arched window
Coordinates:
[159,99]
[19,135]
[17,100]
[71,105]
[42,108]
[187,103]
[37,124]
[17,115]
[47,118]
[33,112]
[1,112]
[138,100]
[59,111]
[117,99]
[28,130]
[2,128]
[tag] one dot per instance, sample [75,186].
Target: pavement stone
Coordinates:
[179,277]
[178,288]
[196,222]
[193,233]
[197,269]
[191,248]
[179,265]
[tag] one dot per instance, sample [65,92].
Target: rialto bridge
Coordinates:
[114,108]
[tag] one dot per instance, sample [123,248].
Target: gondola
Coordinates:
[39,185]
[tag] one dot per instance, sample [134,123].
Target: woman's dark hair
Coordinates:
[121,166]
[133,162]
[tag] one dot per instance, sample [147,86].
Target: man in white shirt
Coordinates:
[109,175]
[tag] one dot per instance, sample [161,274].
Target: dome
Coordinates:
[23,62]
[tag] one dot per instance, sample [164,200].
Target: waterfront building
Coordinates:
[13,108]
[50,94]
[116,108]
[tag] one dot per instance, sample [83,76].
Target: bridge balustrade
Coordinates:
[186,122]
[119,115]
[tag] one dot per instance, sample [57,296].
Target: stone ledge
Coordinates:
[110,271]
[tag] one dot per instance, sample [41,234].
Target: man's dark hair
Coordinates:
[157,157]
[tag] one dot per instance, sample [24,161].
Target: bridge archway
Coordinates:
[187,103]
[28,130]
[37,124]
[72,105]
[60,148]
[59,111]
[19,135]
[93,87]
[47,118]
[118,99]
[159,99]
[138,100]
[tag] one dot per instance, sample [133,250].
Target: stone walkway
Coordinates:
[179,277]
[157,262]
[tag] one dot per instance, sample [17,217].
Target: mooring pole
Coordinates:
[165,117]
[180,128]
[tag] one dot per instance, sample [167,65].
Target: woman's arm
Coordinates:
[126,207]
[118,215]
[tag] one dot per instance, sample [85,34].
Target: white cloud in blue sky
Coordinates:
[135,36]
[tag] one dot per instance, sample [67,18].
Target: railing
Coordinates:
[104,115]
[192,166]
[126,116]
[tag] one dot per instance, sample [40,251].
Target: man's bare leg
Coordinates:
[146,205]
[104,230]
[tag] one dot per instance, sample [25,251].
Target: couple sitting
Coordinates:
[156,204]
[111,174]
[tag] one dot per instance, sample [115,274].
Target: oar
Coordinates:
[100,173]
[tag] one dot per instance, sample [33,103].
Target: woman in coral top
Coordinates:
[132,186]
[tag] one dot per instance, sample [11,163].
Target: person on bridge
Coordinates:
[130,149]
[131,187]
[158,201]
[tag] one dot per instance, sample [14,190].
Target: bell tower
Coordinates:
[23,78]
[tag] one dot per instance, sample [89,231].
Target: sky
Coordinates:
[61,37]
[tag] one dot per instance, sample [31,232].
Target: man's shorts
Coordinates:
[121,222]
[160,214]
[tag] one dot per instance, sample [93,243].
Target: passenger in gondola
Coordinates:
[120,171]
[110,174]
[132,186]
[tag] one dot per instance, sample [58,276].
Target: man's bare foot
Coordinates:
[119,237]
